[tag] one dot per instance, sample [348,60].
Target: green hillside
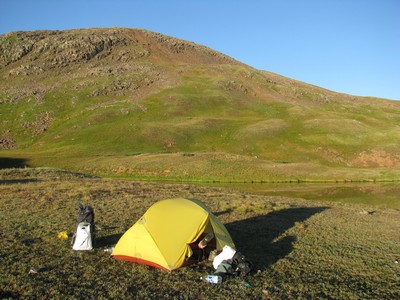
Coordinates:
[133,103]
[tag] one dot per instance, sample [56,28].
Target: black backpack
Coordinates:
[86,214]
[240,265]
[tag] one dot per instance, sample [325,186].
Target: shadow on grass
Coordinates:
[260,238]
[9,295]
[7,162]
[220,213]
[107,241]
[17,181]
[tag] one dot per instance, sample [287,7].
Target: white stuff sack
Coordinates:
[227,253]
[83,237]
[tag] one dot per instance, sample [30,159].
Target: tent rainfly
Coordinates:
[161,238]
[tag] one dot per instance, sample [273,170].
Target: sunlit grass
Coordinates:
[300,249]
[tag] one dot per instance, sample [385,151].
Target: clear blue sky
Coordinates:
[349,46]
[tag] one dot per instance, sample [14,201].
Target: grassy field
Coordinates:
[196,167]
[300,249]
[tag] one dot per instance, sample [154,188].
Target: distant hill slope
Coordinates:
[135,102]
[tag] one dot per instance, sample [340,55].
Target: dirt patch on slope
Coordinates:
[376,158]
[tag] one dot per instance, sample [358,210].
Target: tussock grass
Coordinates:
[300,249]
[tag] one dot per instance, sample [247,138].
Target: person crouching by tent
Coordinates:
[202,247]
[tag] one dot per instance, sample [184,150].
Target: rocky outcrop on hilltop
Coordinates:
[132,58]
[60,48]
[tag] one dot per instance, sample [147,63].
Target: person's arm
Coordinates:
[204,242]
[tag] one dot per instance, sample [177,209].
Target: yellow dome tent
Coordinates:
[161,238]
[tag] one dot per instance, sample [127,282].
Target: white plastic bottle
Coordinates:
[212,279]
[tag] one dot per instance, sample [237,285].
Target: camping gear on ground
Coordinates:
[162,237]
[84,236]
[231,262]
[62,235]
[227,253]
[223,269]
[86,214]
[241,266]
[109,249]
[212,279]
